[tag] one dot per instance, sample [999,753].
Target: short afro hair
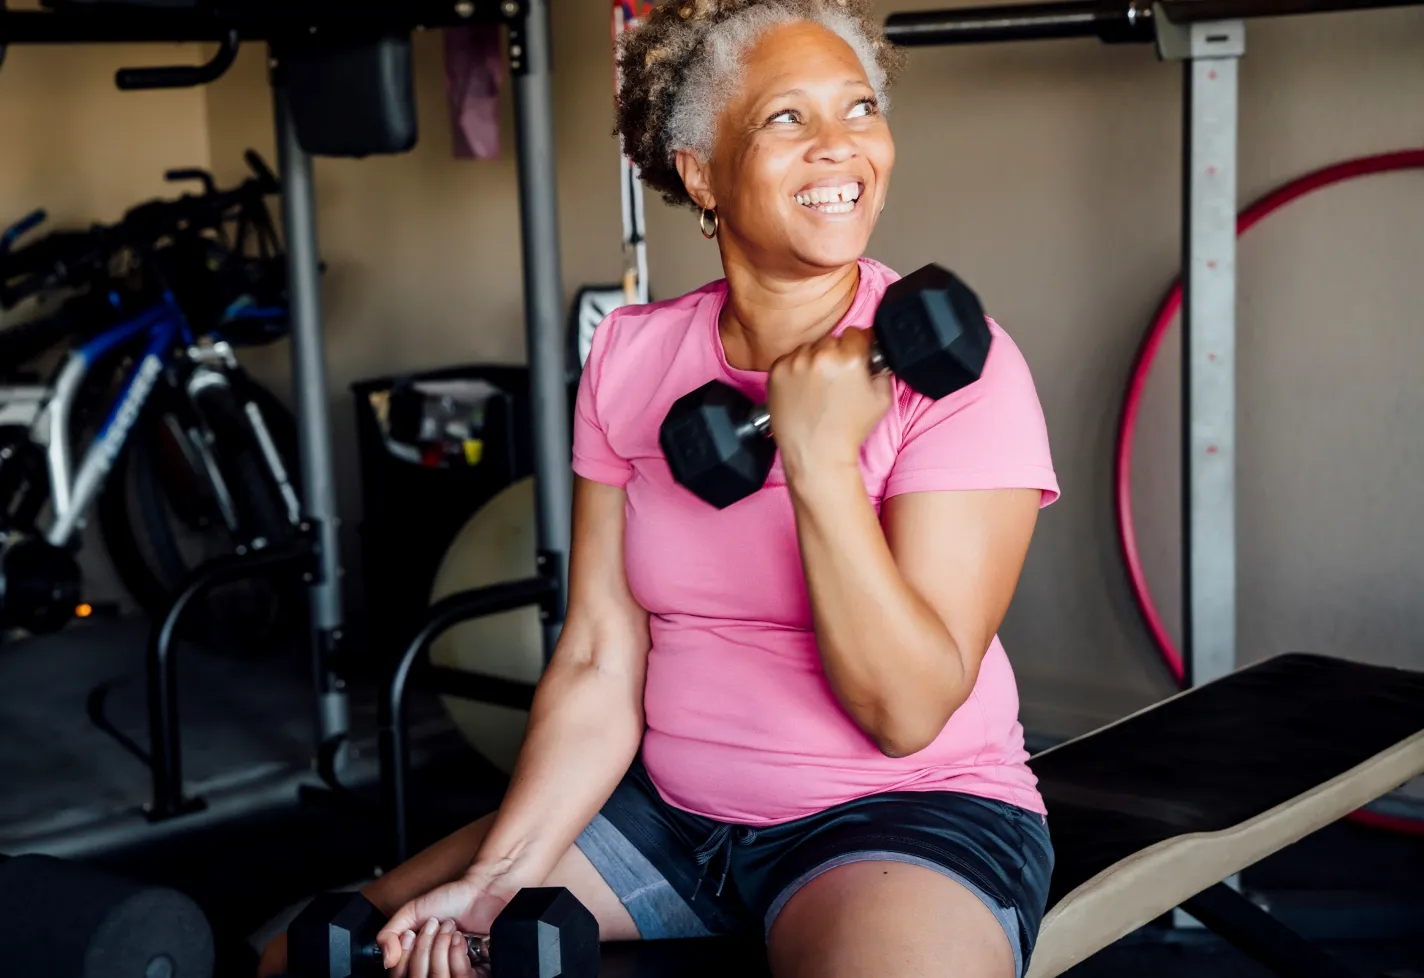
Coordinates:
[675,70]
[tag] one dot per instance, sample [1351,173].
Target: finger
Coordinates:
[389,936]
[440,950]
[420,954]
[405,943]
[460,966]
[389,942]
[857,340]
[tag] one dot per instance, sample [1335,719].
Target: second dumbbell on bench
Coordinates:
[929,330]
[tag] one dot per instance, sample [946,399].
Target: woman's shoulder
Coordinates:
[1006,375]
[644,330]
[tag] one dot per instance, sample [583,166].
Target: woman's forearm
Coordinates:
[583,733]
[552,789]
[891,661]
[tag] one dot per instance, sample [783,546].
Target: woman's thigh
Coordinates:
[575,873]
[887,920]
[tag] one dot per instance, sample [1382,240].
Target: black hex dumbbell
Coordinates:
[544,932]
[929,330]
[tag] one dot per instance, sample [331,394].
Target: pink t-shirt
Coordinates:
[742,725]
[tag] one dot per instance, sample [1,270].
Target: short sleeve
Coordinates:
[593,456]
[990,435]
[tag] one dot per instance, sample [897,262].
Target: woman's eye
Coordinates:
[864,107]
[787,115]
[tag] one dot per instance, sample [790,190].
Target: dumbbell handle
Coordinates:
[478,948]
[759,421]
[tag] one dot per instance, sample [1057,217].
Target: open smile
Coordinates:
[834,199]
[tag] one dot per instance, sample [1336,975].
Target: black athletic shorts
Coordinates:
[683,875]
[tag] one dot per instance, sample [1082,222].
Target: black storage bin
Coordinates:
[412,512]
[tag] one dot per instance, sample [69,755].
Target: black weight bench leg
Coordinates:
[1255,932]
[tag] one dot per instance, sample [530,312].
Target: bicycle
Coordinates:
[184,442]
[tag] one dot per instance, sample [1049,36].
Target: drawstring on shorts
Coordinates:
[721,841]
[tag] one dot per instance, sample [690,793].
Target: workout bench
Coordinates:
[1153,812]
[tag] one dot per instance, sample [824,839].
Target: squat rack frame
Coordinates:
[317,554]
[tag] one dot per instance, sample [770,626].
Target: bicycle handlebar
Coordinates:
[20,228]
[66,258]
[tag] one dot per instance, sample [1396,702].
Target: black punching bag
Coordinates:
[62,919]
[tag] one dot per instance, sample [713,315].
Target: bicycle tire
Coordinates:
[137,524]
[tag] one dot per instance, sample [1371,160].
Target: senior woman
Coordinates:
[793,715]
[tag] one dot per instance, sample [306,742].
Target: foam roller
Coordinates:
[64,919]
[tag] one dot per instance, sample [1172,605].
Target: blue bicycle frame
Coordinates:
[46,411]
[168,335]
[165,327]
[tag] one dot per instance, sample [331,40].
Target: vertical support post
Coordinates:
[530,65]
[313,421]
[1210,52]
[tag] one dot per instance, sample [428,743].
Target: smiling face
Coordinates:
[802,158]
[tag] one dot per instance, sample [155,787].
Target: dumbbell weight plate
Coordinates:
[931,330]
[709,448]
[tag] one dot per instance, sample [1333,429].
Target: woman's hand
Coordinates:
[824,402]
[438,950]
[424,938]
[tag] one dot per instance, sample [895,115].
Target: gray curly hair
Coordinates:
[677,69]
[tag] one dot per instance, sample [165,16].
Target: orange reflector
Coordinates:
[83,611]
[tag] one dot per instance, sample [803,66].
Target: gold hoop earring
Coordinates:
[702,223]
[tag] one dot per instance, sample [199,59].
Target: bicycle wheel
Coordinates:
[160,518]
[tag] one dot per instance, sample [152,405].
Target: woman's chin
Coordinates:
[831,241]
[830,251]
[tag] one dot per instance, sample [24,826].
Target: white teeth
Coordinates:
[831,200]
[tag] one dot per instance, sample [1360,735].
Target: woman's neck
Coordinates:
[767,316]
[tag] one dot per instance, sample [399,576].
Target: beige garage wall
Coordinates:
[1046,174]
[73,144]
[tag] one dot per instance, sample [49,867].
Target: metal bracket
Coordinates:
[1197,41]
[515,14]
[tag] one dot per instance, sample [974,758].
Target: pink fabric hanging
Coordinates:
[474,71]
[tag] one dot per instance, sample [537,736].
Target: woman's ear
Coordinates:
[696,178]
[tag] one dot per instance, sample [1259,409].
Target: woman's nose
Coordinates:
[831,143]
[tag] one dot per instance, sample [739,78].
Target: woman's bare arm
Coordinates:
[583,732]
[904,615]
[587,720]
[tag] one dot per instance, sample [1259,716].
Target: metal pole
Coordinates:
[164,734]
[529,61]
[1210,52]
[394,741]
[1254,931]
[313,424]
